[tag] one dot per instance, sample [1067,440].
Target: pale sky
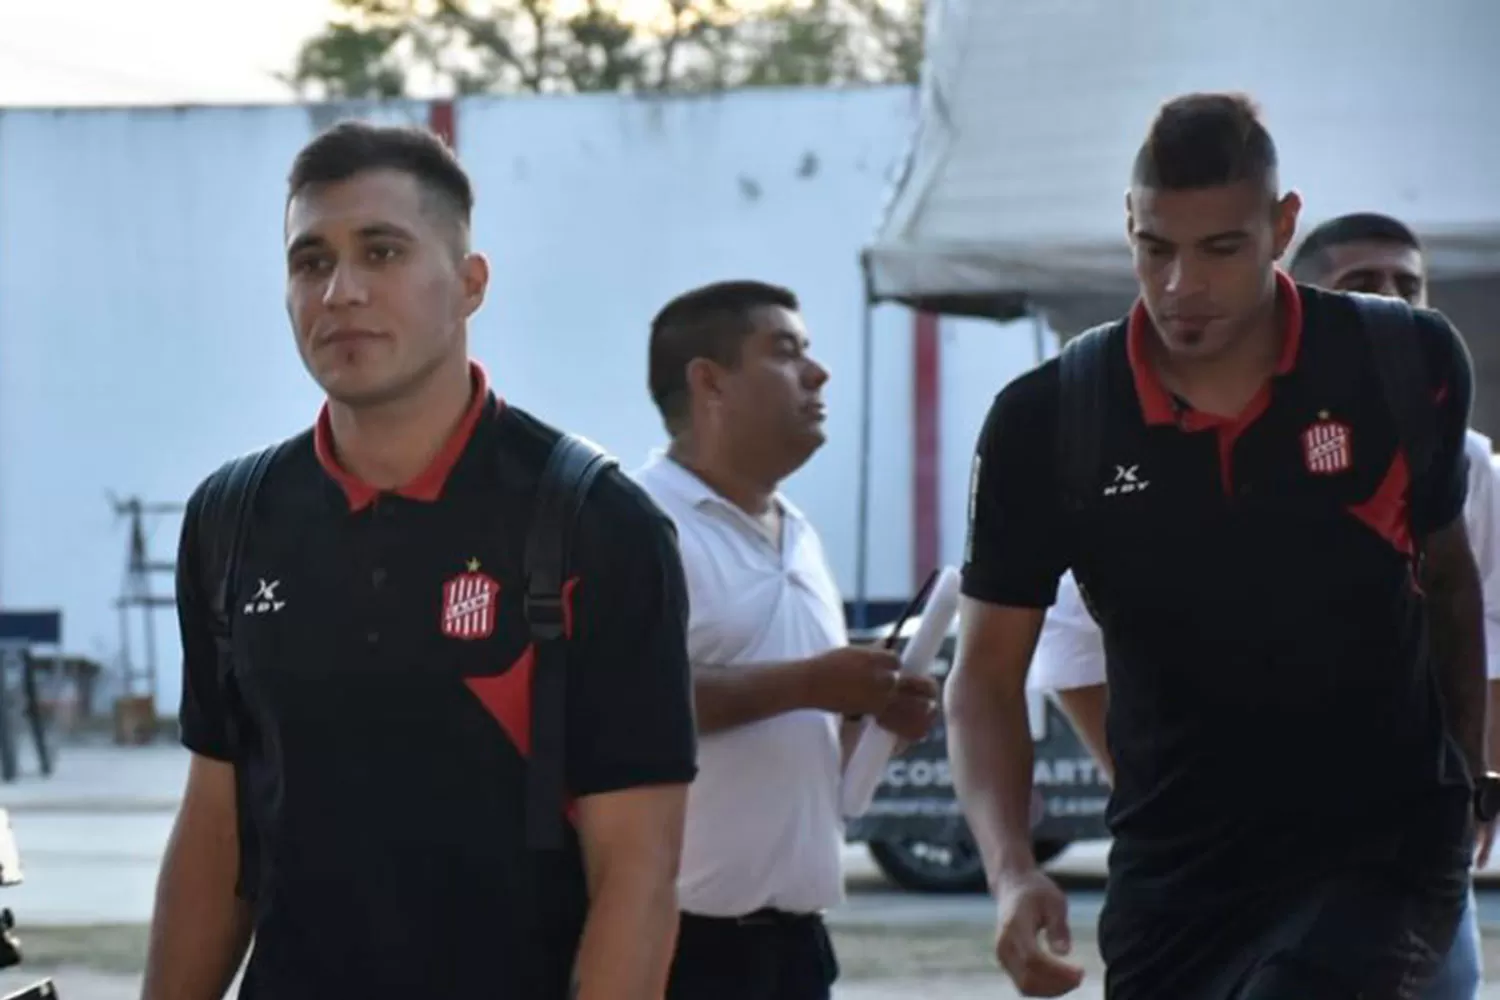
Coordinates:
[150,51]
[70,52]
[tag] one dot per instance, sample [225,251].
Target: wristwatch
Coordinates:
[1487,797]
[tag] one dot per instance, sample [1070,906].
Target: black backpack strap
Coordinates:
[222,524]
[1083,372]
[228,497]
[565,481]
[1391,328]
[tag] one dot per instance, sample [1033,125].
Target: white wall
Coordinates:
[600,209]
[143,337]
[978,358]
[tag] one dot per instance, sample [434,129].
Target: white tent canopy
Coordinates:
[1032,110]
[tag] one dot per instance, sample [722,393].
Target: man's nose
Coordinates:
[814,375]
[1182,276]
[346,287]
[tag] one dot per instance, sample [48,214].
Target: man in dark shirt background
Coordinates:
[377,713]
[1291,810]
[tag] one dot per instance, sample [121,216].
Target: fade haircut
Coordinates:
[1311,262]
[1206,140]
[708,322]
[354,147]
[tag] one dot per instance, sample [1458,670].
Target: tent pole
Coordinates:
[862,519]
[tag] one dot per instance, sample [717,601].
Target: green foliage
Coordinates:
[392,48]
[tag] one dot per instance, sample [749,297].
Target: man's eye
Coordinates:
[310,265]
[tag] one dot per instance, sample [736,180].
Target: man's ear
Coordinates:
[1284,223]
[475,270]
[705,380]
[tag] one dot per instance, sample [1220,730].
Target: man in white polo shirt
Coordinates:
[776,684]
[1357,253]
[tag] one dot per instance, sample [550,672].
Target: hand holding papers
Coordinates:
[871,754]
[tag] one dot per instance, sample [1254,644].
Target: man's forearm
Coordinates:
[200,928]
[629,938]
[726,697]
[1456,628]
[990,755]
[1492,726]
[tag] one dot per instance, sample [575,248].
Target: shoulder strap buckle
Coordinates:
[544,615]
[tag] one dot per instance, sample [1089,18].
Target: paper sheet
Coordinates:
[873,751]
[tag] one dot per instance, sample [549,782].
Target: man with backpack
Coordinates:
[1362,252]
[1259,488]
[435,676]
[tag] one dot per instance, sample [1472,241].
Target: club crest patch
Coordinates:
[470,600]
[1327,447]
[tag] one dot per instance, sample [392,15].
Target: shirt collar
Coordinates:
[670,475]
[1156,402]
[426,487]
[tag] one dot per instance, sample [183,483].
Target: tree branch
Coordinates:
[375,48]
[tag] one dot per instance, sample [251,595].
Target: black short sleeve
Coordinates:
[1016,552]
[1438,496]
[202,714]
[630,698]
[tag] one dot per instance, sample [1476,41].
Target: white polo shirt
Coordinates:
[1070,651]
[763,824]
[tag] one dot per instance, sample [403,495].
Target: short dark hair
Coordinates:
[353,147]
[1311,259]
[712,322]
[1205,140]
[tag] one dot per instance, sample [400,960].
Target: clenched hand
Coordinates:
[912,709]
[1030,905]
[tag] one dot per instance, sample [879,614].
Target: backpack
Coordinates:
[1390,329]
[571,468]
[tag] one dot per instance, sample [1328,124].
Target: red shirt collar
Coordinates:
[1156,402]
[426,487]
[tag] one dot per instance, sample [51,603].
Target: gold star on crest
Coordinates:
[473,565]
[1322,414]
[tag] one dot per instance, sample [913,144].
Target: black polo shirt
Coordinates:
[384,663]
[1271,701]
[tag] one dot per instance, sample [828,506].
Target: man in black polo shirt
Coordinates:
[382,665]
[1292,807]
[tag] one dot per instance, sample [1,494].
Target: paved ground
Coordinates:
[91,840]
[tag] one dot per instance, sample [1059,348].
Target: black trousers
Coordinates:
[767,955]
[1360,937]
[1367,932]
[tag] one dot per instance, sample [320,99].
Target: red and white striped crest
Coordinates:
[469,601]
[1326,448]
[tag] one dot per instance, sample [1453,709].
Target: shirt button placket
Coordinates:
[385,512]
